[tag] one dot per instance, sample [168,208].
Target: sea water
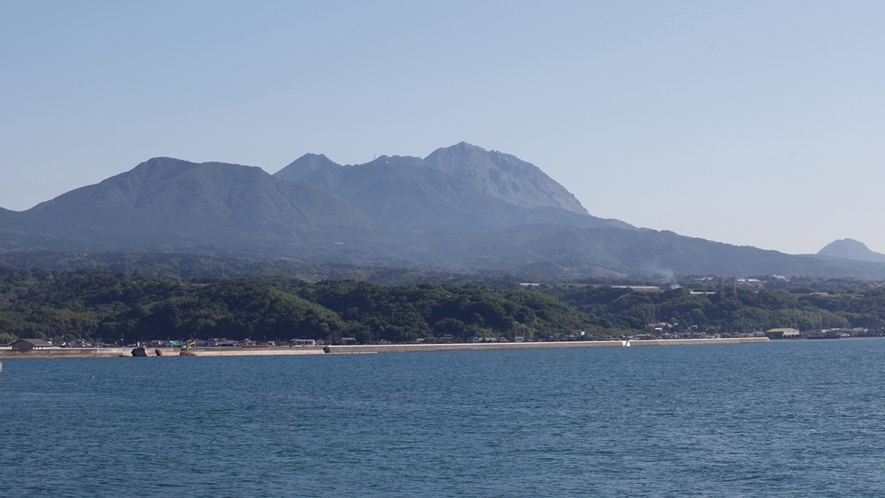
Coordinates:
[789,418]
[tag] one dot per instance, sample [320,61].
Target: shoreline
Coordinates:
[411,348]
[366,349]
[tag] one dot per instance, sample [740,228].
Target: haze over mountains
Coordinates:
[460,207]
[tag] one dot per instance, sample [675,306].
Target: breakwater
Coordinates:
[164,352]
[256,351]
[413,348]
[84,352]
[67,353]
[365,349]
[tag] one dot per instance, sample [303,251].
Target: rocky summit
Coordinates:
[409,192]
[504,177]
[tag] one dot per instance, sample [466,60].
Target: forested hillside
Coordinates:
[90,304]
[728,309]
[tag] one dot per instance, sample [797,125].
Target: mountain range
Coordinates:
[447,190]
[459,207]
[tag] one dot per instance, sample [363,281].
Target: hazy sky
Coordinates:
[753,123]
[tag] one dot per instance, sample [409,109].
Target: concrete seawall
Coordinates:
[411,348]
[269,351]
[84,352]
[164,352]
[364,349]
[67,353]
[699,342]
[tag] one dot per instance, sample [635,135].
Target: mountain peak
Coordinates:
[851,249]
[163,166]
[460,155]
[302,167]
[504,177]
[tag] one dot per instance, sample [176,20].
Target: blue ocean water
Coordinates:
[792,418]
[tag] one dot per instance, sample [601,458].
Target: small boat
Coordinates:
[139,351]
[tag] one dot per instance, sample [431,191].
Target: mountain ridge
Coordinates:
[396,211]
[165,201]
[405,192]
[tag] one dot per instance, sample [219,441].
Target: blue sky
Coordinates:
[753,123]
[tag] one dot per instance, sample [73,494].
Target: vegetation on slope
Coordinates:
[726,310]
[90,304]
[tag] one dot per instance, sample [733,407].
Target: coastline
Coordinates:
[412,348]
[80,353]
[365,349]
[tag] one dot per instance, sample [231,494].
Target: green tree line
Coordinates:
[90,304]
[726,310]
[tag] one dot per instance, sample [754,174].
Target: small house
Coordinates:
[29,344]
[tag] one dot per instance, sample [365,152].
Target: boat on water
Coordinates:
[139,351]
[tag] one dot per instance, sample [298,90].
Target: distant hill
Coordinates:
[851,249]
[575,252]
